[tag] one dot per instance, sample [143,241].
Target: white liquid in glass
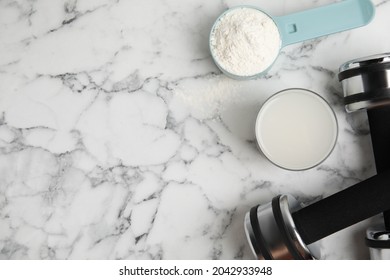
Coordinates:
[296,129]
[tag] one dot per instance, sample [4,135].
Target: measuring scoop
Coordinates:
[292,28]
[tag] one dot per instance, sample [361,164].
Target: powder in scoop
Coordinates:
[245,41]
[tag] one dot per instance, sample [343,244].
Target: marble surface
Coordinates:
[120,139]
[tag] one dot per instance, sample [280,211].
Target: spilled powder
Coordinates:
[210,96]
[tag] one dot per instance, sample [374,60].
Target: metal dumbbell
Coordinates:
[366,86]
[282,230]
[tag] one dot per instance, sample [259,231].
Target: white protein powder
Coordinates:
[245,41]
[208,97]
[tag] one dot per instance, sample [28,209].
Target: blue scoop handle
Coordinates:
[324,20]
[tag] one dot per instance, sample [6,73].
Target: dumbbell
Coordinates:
[282,229]
[366,86]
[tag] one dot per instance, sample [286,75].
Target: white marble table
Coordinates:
[120,139]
